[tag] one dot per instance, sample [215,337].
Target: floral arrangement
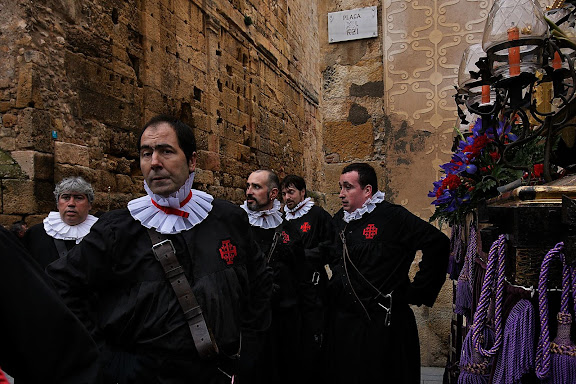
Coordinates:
[476,170]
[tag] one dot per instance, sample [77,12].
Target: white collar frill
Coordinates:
[56,228]
[300,210]
[178,212]
[368,206]
[270,218]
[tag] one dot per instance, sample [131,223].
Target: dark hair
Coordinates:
[184,133]
[273,181]
[18,228]
[297,181]
[366,174]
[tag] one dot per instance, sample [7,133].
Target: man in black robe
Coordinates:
[41,340]
[61,231]
[114,281]
[314,226]
[278,360]
[372,331]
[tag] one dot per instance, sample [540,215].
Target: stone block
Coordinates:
[73,154]
[27,197]
[36,165]
[34,130]
[208,160]
[204,177]
[65,170]
[28,90]
[9,120]
[35,219]
[125,184]
[350,142]
[9,168]
[5,106]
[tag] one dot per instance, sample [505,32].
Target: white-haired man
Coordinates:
[62,230]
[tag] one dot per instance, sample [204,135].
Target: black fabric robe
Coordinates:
[316,232]
[41,245]
[382,245]
[277,351]
[136,317]
[41,340]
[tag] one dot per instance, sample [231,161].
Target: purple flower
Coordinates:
[471,168]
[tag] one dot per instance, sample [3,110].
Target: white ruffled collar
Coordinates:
[368,206]
[178,212]
[270,218]
[56,228]
[300,210]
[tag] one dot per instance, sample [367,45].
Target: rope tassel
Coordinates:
[517,357]
[556,361]
[463,301]
[456,250]
[475,368]
[481,342]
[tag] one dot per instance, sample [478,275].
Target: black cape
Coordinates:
[41,245]
[42,341]
[113,282]
[382,246]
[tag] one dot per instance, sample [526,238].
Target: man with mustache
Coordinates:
[275,354]
[372,330]
[169,286]
[314,226]
[62,230]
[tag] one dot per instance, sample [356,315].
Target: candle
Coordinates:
[557,61]
[485,94]
[514,52]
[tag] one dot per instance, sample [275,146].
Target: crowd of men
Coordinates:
[181,287]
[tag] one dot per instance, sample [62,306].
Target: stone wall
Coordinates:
[389,101]
[78,78]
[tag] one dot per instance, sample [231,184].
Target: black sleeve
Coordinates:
[321,254]
[42,341]
[435,247]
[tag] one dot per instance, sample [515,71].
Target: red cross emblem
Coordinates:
[228,251]
[305,227]
[285,237]
[370,231]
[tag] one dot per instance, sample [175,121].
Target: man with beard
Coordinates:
[276,353]
[315,229]
[174,279]
[372,330]
[62,230]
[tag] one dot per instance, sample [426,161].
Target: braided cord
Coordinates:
[471,251]
[494,275]
[543,352]
[456,242]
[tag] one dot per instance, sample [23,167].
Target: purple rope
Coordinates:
[457,242]
[463,302]
[543,352]
[492,280]
[456,251]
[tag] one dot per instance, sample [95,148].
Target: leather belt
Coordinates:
[166,254]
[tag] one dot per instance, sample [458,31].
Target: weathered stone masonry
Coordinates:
[78,78]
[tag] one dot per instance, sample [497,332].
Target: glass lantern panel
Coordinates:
[470,57]
[514,20]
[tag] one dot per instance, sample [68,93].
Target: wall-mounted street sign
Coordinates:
[354,24]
